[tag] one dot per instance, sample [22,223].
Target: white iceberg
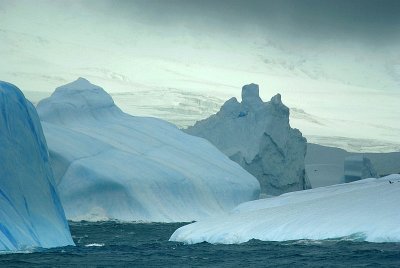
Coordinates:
[110,165]
[258,136]
[31,214]
[365,210]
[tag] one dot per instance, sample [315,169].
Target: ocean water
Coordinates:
[112,244]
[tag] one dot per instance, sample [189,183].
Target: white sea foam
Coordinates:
[95,245]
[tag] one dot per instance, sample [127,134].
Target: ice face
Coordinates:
[365,210]
[258,136]
[251,95]
[326,165]
[31,214]
[110,165]
[358,167]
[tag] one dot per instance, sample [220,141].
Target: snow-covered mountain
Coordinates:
[366,210]
[31,214]
[110,165]
[257,135]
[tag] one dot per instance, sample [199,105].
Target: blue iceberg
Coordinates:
[31,214]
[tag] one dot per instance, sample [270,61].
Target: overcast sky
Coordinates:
[307,27]
[304,49]
[375,21]
[355,42]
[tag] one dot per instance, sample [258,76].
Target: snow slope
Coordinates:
[364,210]
[31,214]
[257,135]
[110,165]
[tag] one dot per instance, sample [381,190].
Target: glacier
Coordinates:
[258,136]
[109,165]
[31,214]
[364,210]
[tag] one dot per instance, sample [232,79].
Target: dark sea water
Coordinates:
[111,244]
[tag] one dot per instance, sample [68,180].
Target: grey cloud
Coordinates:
[366,20]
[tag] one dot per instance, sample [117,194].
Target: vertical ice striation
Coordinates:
[258,136]
[31,214]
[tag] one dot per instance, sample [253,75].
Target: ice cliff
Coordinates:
[110,165]
[31,214]
[257,135]
[358,167]
[365,210]
[329,165]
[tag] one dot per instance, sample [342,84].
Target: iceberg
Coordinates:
[364,210]
[109,165]
[258,136]
[358,167]
[325,165]
[31,214]
[329,165]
